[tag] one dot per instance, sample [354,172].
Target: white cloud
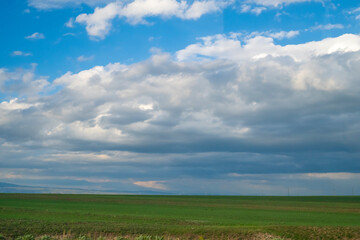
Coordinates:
[146,107]
[54,4]
[86,131]
[255,10]
[199,8]
[15,104]
[355,13]
[334,175]
[275,35]
[23,82]
[136,11]
[151,184]
[328,27]
[277,3]
[98,24]
[80,156]
[283,34]
[69,34]
[84,58]
[221,46]
[258,6]
[35,36]
[70,23]
[20,53]
[356,10]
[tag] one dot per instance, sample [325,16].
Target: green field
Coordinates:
[183,217]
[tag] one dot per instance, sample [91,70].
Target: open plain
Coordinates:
[179,217]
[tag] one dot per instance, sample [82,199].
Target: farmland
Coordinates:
[183,217]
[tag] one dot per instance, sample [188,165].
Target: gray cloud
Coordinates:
[235,121]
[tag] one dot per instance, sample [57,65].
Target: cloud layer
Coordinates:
[223,109]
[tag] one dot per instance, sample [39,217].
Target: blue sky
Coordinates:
[127,43]
[244,97]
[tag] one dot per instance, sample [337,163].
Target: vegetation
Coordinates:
[119,217]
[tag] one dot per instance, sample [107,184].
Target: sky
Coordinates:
[230,97]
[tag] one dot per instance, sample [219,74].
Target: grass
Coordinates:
[184,217]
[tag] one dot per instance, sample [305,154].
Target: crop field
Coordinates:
[178,217]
